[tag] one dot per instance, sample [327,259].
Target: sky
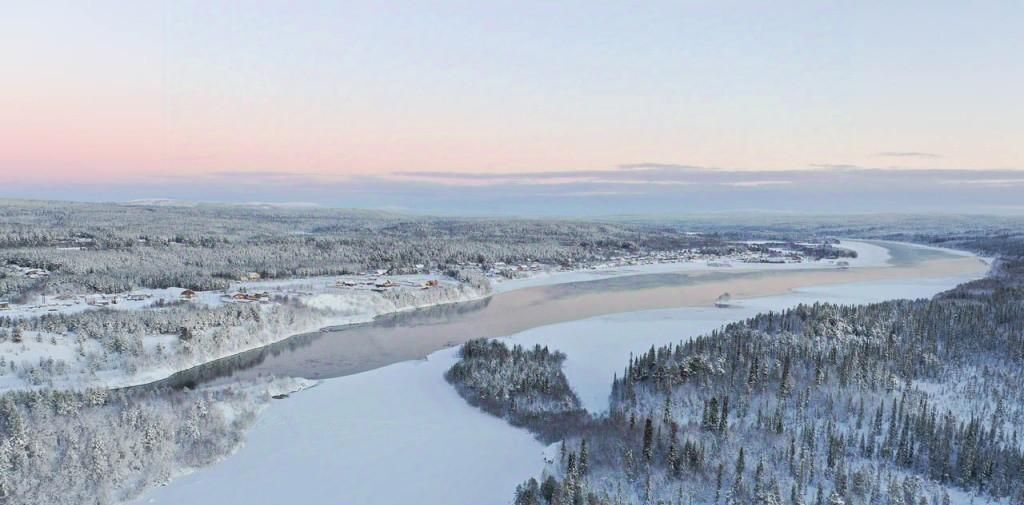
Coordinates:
[518,107]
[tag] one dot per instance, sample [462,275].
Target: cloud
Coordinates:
[835,166]
[985,182]
[660,177]
[754,184]
[654,189]
[661,166]
[258,174]
[909,154]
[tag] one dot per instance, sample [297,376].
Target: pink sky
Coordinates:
[122,92]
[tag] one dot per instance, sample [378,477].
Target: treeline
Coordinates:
[896,403]
[115,248]
[524,386]
[983,234]
[825,250]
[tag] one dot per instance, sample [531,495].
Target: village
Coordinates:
[251,287]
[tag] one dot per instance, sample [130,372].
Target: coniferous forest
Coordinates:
[902,402]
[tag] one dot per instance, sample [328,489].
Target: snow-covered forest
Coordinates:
[87,290]
[99,446]
[902,402]
[524,386]
[797,394]
[114,248]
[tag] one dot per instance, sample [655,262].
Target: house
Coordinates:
[188,294]
[4,305]
[245,297]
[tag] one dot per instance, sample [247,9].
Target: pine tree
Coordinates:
[758,476]
[648,449]
[583,463]
[740,465]
[712,418]
[719,474]
[754,372]
[666,412]
[785,385]
[548,489]
[672,460]
[723,422]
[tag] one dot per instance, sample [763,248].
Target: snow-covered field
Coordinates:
[400,434]
[302,288]
[82,363]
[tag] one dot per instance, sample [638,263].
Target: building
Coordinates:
[188,294]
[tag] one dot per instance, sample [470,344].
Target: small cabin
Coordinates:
[188,294]
[4,305]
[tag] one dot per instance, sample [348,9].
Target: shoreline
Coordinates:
[746,281]
[356,349]
[410,407]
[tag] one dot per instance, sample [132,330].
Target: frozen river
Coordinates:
[400,434]
[415,334]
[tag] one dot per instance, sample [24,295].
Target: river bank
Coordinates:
[414,335]
[350,438]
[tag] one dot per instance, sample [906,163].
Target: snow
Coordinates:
[599,347]
[400,434]
[299,287]
[341,306]
[868,256]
